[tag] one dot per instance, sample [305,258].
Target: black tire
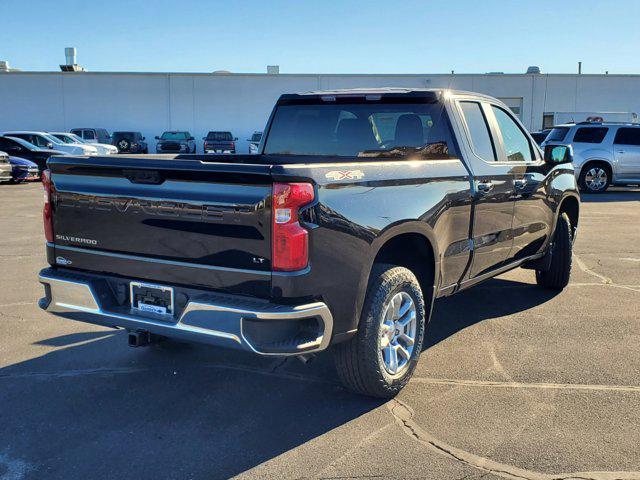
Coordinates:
[557,276]
[359,361]
[145,151]
[590,168]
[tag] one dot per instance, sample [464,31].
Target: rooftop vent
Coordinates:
[273,69]
[70,58]
[534,70]
[5,67]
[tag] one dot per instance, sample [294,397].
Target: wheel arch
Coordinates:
[570,205]
[411,245]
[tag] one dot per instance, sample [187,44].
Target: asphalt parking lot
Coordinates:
[515,382]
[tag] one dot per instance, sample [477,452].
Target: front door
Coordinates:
[626,149]
[494,190]
[532,217]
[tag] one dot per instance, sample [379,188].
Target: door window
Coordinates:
[89,135]
[516,144]
[628,136]
[590,135]
[479,130]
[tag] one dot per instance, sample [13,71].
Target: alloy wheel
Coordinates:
[596,178]
[398,333]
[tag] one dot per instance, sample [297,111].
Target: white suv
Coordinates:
[603,153]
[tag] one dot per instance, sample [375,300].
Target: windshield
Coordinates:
[219,136]
[76,138]
[174,136]
[557,134]
[360,130]
[66,137]
[125,135]
[53,139]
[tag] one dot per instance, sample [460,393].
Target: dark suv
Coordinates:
[176,142]
[220,142]
[130,142]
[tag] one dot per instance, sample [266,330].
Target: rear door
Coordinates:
[494,189]
[626,150]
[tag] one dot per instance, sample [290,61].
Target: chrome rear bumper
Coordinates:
[223,320]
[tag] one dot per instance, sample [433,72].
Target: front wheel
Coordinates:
[561,251]
[379,360]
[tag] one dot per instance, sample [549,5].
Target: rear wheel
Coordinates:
[379,360]
[561,251]
[595,178]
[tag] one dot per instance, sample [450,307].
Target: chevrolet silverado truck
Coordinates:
[360,209]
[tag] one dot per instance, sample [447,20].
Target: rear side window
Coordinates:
[627,136]
[89,135]
[479,130]
[590,135]
[557,134]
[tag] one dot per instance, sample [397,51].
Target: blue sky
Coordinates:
[404,36]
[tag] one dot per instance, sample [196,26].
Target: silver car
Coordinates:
[604,153]
[5,168]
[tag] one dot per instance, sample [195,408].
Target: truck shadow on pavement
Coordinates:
[493,298]
[95,408]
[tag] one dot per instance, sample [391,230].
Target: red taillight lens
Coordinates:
[47,217]
[233,145]
[290,240]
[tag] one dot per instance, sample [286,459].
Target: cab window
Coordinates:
[479,130]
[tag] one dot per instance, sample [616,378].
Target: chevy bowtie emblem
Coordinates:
[345,175]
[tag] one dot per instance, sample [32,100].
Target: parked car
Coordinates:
[176,142]
[23,170]
[220,142]
[93,135]
[21,148]
[73,139]
[130,142]
[364,206]
[254,142]
[44,140]
[540,136]
[604,154]
[5,168]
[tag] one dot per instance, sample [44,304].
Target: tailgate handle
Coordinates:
[149,177]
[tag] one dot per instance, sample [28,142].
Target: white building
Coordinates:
[241,103]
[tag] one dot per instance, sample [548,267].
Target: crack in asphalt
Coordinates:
[605,280]
[403,415]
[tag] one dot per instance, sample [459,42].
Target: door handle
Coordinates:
[520,183]
[484,187]
[620,151]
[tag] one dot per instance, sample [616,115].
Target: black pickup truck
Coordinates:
[362,208]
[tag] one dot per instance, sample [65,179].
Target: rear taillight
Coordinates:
[47,216]
[233,145]
[290,240]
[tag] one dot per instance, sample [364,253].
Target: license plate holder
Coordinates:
[151,298]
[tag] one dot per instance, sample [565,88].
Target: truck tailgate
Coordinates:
[168,220]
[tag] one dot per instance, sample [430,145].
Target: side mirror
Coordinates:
[557,154]
[235,139]
[50,145]
[157,137]
[144,138]
[191,138]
